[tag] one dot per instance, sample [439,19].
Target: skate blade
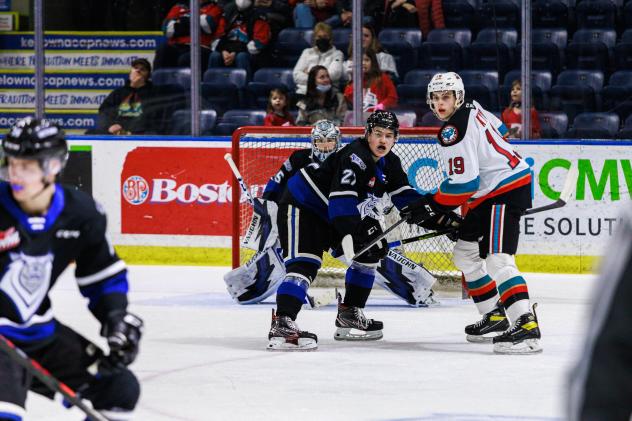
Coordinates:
[528,346]
[351,334]
[280,344]
[478,339]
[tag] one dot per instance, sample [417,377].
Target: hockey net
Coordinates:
[259,152]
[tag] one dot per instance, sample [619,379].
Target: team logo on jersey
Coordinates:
[9,239]
[135,190]
[358,161]
[372,206]
[449,135]
[26,281]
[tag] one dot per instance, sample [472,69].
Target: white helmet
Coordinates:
[324,131]
[449,81]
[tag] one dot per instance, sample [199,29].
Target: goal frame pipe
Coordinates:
[269,130]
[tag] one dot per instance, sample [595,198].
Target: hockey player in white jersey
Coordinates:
[487,175]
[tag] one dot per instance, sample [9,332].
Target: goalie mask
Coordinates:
[325,139]
[442,82]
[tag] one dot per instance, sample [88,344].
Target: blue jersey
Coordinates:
[35,250]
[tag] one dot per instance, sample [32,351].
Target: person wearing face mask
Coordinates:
[322,102]
[323,53]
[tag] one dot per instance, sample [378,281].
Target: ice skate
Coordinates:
[352,325]
[491,325]
[522,338]
[285,335]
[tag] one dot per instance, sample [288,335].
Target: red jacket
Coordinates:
[273,119]
[424,15]
[212,24]
[384,90]
[514,121]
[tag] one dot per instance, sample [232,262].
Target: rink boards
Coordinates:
[168,199]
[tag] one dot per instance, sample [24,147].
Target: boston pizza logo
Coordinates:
[135,190]
[449,135]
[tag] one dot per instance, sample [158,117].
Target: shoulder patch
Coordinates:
[449,135]
[358,161]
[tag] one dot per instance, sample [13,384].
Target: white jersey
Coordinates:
[478,159]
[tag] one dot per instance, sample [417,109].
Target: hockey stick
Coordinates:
[242,184]
[567,190]
[18,356]
[347,241]
[422,237]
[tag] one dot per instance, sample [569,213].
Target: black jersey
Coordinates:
[35,250]
[349,185]
[275,187]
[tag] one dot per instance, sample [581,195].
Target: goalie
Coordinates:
[261,275]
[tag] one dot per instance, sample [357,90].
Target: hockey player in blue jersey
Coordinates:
[323,204]
[45,226]
[261,275]
[487,175]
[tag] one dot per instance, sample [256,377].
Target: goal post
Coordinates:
[260,151]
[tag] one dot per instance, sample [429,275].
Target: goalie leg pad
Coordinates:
[405,279]
[257,279]
[263,231]
[480,285]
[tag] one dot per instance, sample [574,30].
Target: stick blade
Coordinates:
[569,184]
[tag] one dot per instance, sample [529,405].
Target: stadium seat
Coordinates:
[430,120]
[623,51]
[403,44]
[549,14]
[504,13]
[553,124]
[166,100]
[223,88]
[627,14]
[234,119]
[596,14]
[617,95]
[406,117]
[266,79]
[547,49]
[460,14]
[577,91]
[181,122]
[482,86]
[290,44]
[170,76]
[591,49]
[413,91]
[341,39]
[493,50]
[626,130]
[594,126]
[444,49]
[540,86]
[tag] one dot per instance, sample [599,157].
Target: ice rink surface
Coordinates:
[204,358]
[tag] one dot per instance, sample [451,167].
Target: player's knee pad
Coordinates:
[115,390]
[466,257]
[501,266]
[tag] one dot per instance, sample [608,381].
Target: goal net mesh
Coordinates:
[260,152]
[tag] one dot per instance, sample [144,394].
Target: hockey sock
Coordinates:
[358,283]
[291,296]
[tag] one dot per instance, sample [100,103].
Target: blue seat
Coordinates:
[266,79]
[482,86]
[493,50]
[223,88]
[596,14]
[430,120]
[444,49]
[234,119]
[460,14]
[591,49]
[290,44]
[547,49]
[617,95]
[341,39]
[577,91]
[169,76]
[539,78]
[403,44]
[549,14]
[540,85]
[237,77]
[506,13]
[626,130]
[181,122]
[627,14]
[553,124]
[594,126]
[623,51]
[506,36]
[413,91]
[166,99]
[557,36]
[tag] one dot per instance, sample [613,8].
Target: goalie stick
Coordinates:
[33,367]
[242,184]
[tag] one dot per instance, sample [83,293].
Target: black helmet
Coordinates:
[30,138]
[381,118]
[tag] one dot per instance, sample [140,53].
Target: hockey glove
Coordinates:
[123,331]
[418,211]
[368,230]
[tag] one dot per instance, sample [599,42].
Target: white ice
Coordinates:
[204,358]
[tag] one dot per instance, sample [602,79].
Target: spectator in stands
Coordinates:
[278,13]
[322,102]
[323,53]
[512,115]
[430,14]
[176,51]
[308,12]
[278,113]
[378,90]
[127,110]
[384,59]
[401,14]
[247,37]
